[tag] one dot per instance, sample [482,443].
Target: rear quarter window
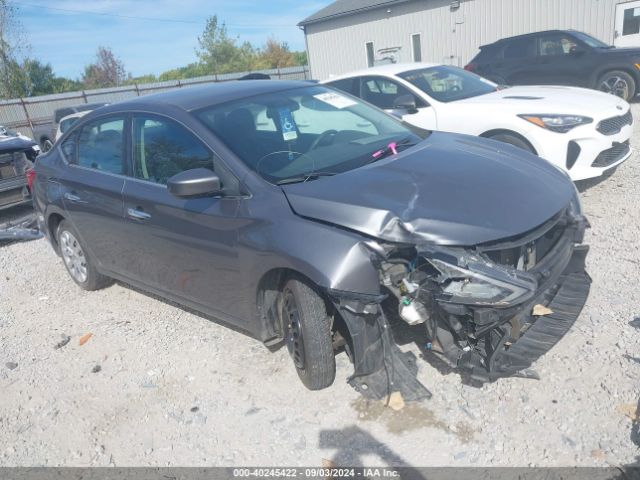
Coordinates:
[487,53]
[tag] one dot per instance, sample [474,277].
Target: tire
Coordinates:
[512,140]
[307,330]
[80,267]
[619,83]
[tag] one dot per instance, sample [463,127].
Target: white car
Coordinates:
[66,122]
[583,131]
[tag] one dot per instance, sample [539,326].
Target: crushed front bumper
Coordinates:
[487,340]
[565,298]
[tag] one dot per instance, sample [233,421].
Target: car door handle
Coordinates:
[137,214]
[73,198]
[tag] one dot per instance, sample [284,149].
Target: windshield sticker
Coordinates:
[335,100]
[289,131]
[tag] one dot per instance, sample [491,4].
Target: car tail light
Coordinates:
[470,67]
[31,176]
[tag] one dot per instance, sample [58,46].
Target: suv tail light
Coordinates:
[31,176]
[471,67]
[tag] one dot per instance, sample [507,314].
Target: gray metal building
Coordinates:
[353,34]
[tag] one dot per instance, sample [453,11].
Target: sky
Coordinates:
[149,36]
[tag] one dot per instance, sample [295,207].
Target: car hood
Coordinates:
[550,99]
[622,51]
[449,190]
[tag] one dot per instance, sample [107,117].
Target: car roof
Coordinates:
[191,98]
[532,34]
[389,69]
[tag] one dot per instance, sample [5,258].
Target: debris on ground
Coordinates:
[629,410]
[540,311]
[395,401]
[65,339]
[96,369]
[11,365]
[85,338]
[24,228]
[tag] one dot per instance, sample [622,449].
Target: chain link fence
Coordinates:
[34,116]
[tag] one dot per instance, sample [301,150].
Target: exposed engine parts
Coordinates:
[475,304]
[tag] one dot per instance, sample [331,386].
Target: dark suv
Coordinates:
[296,212]
[560,57]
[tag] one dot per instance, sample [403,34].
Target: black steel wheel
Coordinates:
[307,329]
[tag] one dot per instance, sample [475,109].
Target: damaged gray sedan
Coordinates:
[312,220]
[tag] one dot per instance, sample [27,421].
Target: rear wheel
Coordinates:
[78,264]
[308,334]
[618,83]
[512,140]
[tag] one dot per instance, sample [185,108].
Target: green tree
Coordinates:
[219,52]
[11,78]
[300,58]
[107,71]
[39,78]
[61,85]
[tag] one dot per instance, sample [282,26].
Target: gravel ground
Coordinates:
[156,385]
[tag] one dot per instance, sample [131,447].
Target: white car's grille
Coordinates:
[611,126]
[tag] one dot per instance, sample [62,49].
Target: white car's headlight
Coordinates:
[557,123]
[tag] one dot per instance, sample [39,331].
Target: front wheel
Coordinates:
[618,83]
[307,329]
[78,264]
[512,140]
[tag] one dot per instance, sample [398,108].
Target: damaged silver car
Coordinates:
[312,220]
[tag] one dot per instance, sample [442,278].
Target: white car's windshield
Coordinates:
[305,133]
[448,84]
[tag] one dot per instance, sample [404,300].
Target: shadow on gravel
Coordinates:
[354,447]
[584,185]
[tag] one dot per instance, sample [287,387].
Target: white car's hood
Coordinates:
[551,99]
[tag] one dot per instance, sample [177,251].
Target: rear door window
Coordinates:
[100,146]
[382,92]
[349,85]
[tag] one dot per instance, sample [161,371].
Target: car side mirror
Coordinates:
[405,102]
[198,182]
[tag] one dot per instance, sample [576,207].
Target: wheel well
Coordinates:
[501,131]
[52,225]
[269,288]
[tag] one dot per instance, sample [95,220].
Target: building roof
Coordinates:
[340,8]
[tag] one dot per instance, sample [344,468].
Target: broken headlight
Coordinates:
[470,279]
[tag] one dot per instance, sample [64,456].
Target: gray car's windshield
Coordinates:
[448,84]
[305,133]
